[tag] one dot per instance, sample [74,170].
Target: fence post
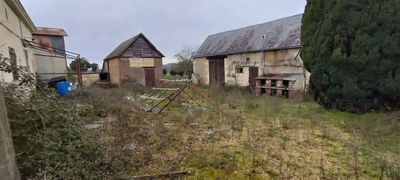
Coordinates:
[8,165]
[79,70]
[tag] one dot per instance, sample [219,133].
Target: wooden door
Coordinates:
[253,74]
[150,77]
[216,73]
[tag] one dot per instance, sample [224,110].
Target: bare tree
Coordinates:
[185,60]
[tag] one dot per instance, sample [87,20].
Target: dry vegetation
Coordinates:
[251,138]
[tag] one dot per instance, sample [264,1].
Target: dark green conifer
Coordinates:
[352,49]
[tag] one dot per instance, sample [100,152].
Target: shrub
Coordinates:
[48,134]
[173,72]
[351,49]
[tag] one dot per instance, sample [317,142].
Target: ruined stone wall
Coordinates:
[8,165]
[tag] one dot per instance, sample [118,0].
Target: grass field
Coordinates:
[249,138]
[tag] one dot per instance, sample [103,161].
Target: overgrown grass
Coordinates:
[251,137]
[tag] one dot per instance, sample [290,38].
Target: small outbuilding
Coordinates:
[265,57]
[136,60]
[50,56]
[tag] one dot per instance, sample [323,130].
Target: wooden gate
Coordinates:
[150,77]
[253,74]
[216,73]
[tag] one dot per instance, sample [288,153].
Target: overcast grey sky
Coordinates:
[96,27]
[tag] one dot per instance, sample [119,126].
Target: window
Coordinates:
[273,83]
[285,84]
[239,70]
[5,9]
[13,58]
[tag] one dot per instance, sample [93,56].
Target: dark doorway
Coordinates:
[150,77]
[253,74]
[13,58]
[216,72]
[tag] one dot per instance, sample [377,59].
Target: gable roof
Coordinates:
[120,50]
[50,31]
[279,34]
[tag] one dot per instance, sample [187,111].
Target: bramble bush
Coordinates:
[48,134]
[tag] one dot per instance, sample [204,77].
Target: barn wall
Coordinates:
[138,75]
[141,62]
[114,70]
[201,71]
[287,62]
[12,30]
[158,69]
[124,71]
[283,61]
[232,78]
[270,62]
[141,48]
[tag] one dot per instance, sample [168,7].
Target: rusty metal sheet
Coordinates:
[50,31]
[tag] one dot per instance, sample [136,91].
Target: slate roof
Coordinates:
[275,35]
[50,31]
[119,51]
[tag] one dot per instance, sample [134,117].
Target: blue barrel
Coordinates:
[63,88]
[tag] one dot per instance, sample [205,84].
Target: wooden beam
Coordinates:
[153,176]
[166,89]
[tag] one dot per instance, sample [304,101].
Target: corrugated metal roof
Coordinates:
[126,44]
[50,31]
[279,34]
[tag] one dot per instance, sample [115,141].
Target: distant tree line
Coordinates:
[85,65]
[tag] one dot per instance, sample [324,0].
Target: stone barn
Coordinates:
[136,60]
[264,57]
